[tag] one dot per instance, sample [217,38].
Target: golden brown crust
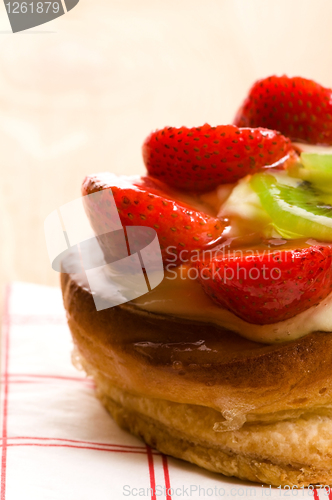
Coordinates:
[249,377]
[272,405]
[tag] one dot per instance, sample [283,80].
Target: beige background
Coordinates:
[79,95]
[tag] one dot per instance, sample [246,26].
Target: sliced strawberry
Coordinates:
[144,201]
[299,108]
[198,159]
[270,286]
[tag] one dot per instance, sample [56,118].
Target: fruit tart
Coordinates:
[227,363]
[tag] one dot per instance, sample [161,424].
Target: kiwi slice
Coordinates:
[315,168]
[296,212]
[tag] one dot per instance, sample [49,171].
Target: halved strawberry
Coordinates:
[269,286]
[299,108]
[198,159]
[143,201]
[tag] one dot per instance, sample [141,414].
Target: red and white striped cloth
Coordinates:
[59,443]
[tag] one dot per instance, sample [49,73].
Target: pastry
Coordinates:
[227,362]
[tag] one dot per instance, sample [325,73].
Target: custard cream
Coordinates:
[180,294]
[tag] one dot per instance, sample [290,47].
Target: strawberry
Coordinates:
[145,201]
[299,108]
[198,159]
[268,286]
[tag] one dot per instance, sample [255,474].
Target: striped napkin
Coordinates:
[59,443]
